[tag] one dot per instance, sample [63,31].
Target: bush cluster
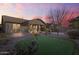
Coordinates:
[73,34]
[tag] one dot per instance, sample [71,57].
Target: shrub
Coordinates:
[4,38]
[25,47]
[3,41]
[73,34]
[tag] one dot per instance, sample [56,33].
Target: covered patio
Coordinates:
[36,26]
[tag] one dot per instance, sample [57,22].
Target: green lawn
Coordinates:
[48,45]
[54,45]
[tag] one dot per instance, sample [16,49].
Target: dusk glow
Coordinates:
[39,29]
[34,10]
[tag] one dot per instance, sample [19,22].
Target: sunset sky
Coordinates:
[34,10]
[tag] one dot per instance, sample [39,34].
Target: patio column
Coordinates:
[39,28]
[36,28]
[31,28]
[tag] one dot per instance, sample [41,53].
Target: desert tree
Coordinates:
[58,15]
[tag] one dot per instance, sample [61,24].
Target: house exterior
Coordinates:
[15,25]
[0,28]
[12,24]
[36,26]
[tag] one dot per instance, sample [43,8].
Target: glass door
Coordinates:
[16,28]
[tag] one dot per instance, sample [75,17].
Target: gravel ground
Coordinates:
[14,38]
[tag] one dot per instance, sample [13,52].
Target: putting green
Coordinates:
[54,46]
